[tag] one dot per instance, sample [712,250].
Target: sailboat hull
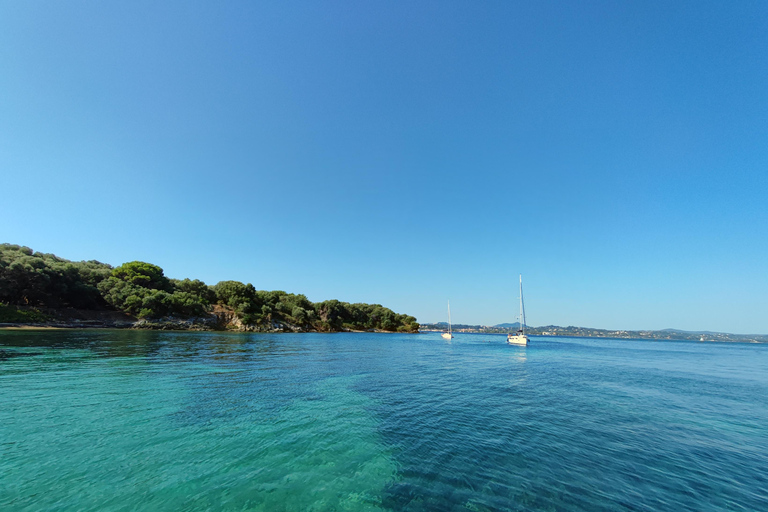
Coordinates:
[446,335]
[517,339]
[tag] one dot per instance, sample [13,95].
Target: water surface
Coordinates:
[137,420]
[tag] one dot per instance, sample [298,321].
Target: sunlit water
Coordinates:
[135,420]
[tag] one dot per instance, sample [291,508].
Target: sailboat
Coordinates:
[448,335]
[519,338]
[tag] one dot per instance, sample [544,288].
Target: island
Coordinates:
[40,289]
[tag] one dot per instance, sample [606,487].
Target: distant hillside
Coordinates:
[679,331]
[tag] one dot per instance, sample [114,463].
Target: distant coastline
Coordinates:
[587,332]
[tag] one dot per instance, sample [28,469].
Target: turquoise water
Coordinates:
[135,420]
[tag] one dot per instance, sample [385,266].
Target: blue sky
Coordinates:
[614,153]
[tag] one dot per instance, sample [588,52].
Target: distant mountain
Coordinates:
[514,325]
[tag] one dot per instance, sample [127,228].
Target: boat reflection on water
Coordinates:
[519,356]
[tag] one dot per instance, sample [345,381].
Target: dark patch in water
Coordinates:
[5,354]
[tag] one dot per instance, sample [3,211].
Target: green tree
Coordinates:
[143,274]
[141,289]
[33,278]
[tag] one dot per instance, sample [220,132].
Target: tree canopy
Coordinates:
[29,278]
[39,279]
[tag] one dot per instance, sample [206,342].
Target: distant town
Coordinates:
[587,332]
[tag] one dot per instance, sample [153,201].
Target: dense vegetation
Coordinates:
[29,278]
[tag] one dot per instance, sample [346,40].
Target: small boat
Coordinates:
[519,338]
[448,335]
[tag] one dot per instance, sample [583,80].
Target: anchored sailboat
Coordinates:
[448,335]
[519,338]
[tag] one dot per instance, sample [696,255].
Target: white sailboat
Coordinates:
[519,338]
[448,335]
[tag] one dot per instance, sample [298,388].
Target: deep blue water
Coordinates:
[137,420]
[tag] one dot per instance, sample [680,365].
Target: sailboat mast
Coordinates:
[522,313]
[449,317]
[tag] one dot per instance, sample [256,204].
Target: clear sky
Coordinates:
[405,153]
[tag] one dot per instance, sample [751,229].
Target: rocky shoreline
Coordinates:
[221,319]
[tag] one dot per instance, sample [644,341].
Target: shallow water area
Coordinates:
[127,420]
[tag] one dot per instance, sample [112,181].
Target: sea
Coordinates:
[126,420]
